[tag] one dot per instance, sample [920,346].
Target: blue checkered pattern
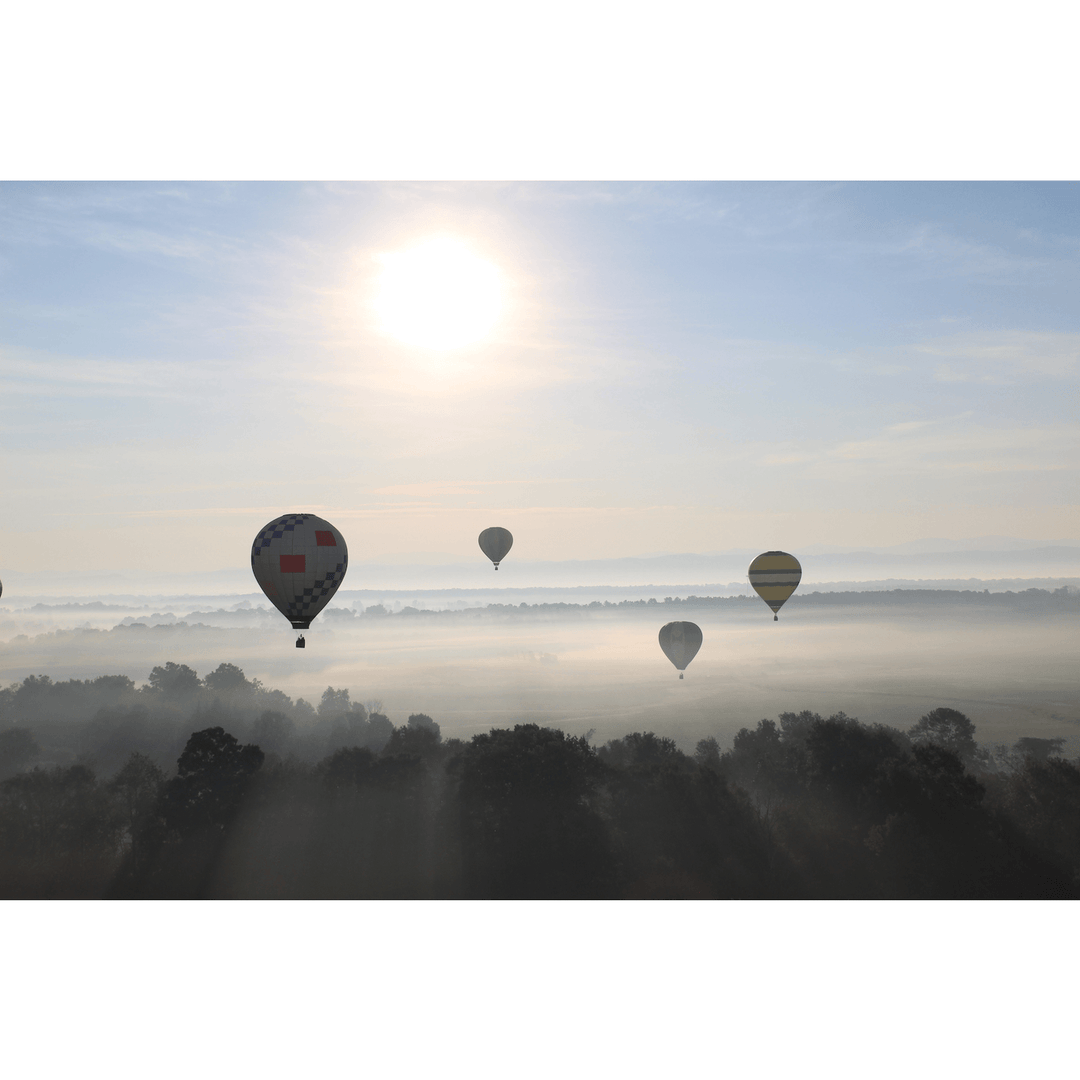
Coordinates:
[275,531]
[326,586]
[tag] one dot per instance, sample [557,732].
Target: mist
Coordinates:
[1005,659]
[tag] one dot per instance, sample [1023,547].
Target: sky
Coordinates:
[677,367]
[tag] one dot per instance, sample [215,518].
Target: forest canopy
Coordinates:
[221,787]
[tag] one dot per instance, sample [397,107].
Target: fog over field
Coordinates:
[1005,658]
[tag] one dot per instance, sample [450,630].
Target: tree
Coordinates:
[59,814]
[1041,750]
[335,703]
[851,766]
[110,690]
[795,727]
[767,763]
[379,730]
[7,703]
[174,682]
[707,754]
[947,728]
[376,833]
[136,789]
[212,775]
[18,747]
[677,830]
[274,731]
[348,767]
[226,679]
[641,749]
[31,697]
[530,823]
[1042,798]
[422,720]
[415,740]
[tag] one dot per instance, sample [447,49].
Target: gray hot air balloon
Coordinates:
[1,588]
[680,642]
[299,560]
[495,543]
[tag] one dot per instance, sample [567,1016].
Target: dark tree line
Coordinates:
[805,806]
[100,721]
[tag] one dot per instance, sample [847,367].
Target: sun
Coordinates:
[438,295]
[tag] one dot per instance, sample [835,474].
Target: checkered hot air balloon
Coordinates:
[680,642]
[495,543]
[775,575]
[299,560]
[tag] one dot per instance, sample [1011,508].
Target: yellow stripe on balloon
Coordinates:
[775,575]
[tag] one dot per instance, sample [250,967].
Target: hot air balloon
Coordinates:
[775,575]
[495,543]
[299,560]
[680,642]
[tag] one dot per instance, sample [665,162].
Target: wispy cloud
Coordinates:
[26,372]
[999,356]
[938,250]
[950,446]
[995,357]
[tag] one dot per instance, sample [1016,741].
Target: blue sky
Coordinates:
[679,367]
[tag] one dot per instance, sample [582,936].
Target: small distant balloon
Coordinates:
[1,588]
[299,560]
[495,543]
[680,642]
[775,575]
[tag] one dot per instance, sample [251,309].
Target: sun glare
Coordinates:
[438,295]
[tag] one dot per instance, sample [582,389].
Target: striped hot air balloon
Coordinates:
[680,642]
[299,560]
[775,575]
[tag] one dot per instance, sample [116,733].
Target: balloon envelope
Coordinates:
[495,543]
[680,642]
[299,560]
[775,575]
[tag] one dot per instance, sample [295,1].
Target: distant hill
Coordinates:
[947,562]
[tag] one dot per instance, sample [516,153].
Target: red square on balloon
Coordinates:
[324,538]
[292,564]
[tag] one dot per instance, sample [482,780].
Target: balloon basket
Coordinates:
[301,643]
[776,618]
[680,674]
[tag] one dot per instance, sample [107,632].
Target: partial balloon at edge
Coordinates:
[495,543]
[775,575]
[680,642]
[299,561]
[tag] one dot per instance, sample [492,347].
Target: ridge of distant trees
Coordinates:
[220,787]
[1065,598]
